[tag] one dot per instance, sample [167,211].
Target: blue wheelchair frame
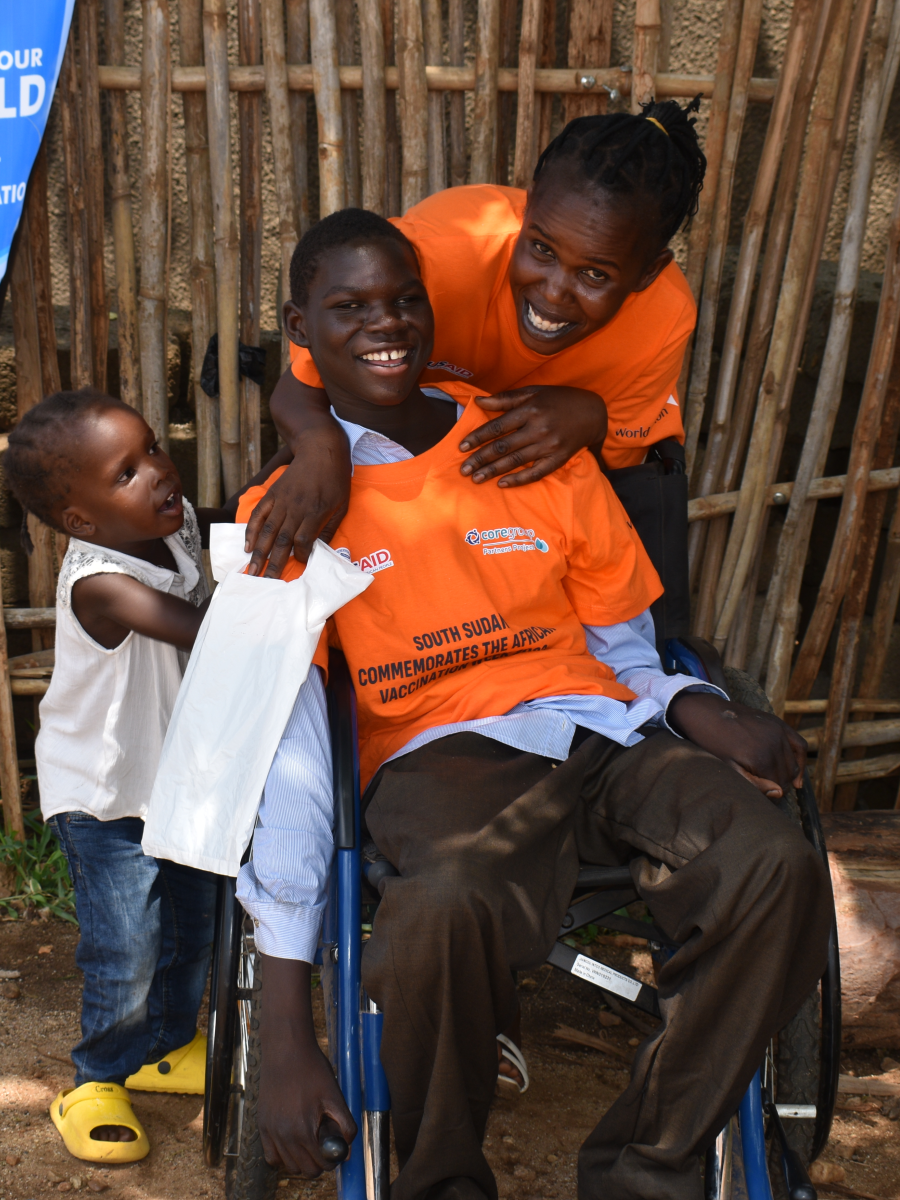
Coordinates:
[354,1024]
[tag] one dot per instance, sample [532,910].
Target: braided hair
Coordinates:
[42,452]
[340,228]
[629,154]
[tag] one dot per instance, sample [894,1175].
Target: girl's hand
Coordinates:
[543,426]
[109,607]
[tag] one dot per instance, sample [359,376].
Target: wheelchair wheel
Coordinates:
[247,1174]
[222,1016]
[798,1062]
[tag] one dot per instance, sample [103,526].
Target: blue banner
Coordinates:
[32,44]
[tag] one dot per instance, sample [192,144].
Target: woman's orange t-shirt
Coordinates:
[480,594]
[464,238]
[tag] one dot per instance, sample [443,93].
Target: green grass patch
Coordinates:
[35,873]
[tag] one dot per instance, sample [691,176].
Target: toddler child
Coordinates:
[130,599]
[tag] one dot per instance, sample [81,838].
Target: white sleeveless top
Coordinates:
[104,717]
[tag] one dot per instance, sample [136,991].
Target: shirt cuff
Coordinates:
[280,930]
[684,683]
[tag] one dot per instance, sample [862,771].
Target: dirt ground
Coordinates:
[532,1140]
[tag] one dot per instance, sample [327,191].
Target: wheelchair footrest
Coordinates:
[568,959]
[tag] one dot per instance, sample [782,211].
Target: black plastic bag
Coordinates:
[251,364]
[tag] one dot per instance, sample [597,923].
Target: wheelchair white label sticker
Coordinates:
[606,977]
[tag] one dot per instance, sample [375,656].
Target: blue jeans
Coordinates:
[146,936]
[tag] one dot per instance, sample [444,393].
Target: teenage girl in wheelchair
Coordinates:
[600,755]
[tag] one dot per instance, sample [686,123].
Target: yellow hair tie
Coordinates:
[658,125]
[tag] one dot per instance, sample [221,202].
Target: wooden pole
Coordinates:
[413,103]
[374,159]
[327,87]
[798,38]
[558,81]
[865,434]
[647,29]
[712,281]
[93,187]
[346,36]
[789,324]
[699,232]
[39,238]
[484,108]
[846,654]
[881,71]
[10,787]
[590,45]
[456,33]
[548,58]
[876,652]
[203,269]
[730,428]
[708,508]
[434,56]
[834,154]
[26,336]
[250,25]
[529,45]
[80,354]
[282,153]
[215,46]
[298,51]
[392,140]
[127,326]
[154,224]
[35,342]
[506,123]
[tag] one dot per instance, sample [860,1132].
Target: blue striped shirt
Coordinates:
[283,886]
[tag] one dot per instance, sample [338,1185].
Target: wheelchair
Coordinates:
[783,1121]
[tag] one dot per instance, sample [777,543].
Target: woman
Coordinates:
[565,302]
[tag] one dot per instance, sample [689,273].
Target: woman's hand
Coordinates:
[310,499]
[758,745]
[543,426]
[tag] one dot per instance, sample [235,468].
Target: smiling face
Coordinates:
[579,256]
[124,490]
[367,322]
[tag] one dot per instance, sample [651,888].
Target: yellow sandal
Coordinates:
[183,1071]
[76,1112]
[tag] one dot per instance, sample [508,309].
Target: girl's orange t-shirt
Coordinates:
[464,238]
[479,594]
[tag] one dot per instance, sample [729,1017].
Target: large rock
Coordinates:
[864,849]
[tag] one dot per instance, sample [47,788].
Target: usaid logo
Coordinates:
[378,560]
[443,365]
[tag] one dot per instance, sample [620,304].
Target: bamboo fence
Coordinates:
[407,97]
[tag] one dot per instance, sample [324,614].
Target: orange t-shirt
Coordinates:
[464,238]
[480,594]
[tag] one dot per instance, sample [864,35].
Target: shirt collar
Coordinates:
[355,432]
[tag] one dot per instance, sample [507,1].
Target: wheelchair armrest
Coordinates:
[695,656]
[345,768]
[604,878]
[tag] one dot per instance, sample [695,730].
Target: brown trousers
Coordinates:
[487,841]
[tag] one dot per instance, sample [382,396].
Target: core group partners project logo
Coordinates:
[506,539]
